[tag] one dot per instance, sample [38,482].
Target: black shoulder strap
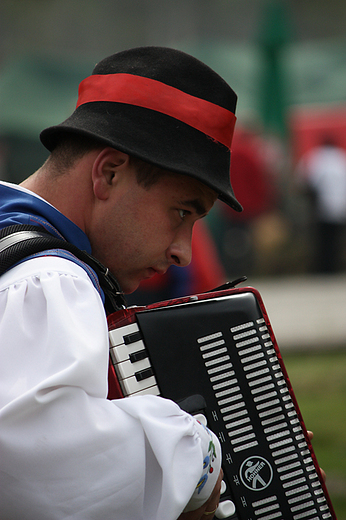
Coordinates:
[19,241]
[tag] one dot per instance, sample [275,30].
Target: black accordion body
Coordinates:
[215,354]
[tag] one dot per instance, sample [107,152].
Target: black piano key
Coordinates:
[137,356]
[132,338]
[144,374]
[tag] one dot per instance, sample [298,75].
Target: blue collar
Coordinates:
[20,206]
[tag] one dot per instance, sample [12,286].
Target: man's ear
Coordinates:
[105,169]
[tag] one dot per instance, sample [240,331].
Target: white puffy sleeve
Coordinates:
[67,451]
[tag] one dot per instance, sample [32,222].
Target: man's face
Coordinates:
[140,232]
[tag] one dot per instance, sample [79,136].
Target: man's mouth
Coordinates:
[152,272]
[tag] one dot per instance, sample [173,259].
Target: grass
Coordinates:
[319,383]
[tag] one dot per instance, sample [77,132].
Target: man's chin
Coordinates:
[130,290]
[129,287]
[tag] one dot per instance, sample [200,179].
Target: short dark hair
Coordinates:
[74,146]
[69,149]
[147,174]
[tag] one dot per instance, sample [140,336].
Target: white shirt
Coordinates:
[325,171]
[65,450]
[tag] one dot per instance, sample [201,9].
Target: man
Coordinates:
[143,157]
[321,174]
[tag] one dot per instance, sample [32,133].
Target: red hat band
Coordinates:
[214,121]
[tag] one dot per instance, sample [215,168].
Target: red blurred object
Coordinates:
[249,176]
[309,124]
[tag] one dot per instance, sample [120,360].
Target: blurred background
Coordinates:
[286,60]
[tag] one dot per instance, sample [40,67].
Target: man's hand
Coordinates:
[210,505]
[323,473]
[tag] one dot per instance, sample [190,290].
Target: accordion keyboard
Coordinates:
[131,361]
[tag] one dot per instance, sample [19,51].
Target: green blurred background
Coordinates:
[319,384]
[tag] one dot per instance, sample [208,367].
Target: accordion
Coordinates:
[216,356]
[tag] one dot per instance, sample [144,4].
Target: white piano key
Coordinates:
[132,386]
[152,390]
[116,336]
[122,352]
[128,369]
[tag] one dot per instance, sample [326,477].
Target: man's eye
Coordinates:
[182,213]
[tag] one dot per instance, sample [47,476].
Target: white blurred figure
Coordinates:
[323,172]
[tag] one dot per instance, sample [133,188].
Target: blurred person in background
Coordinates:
[321,174]
[255,186]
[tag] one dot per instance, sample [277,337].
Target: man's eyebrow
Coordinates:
[197,205]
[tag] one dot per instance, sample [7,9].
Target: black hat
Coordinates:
[162,106]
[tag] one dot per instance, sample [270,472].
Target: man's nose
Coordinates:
[179,252]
